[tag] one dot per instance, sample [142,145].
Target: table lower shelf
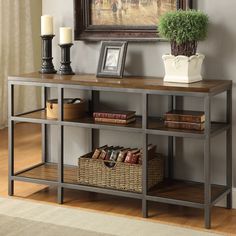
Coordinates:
[173,192]
[49,172]
[179,191]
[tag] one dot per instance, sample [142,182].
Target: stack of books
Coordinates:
[190,120]
[115,117]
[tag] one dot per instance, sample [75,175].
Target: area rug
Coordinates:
[25,218]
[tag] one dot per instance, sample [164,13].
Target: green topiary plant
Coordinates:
[184,29]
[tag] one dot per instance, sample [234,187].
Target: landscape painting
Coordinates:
[129,20]
[129,12]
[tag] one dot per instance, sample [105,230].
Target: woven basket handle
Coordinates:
[110,164]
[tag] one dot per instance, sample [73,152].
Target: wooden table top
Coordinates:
[146,83]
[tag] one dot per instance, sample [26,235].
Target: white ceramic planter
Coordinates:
[182,69]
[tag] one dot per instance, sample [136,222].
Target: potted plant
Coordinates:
[184,29]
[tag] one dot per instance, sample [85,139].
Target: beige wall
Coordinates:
[145,59]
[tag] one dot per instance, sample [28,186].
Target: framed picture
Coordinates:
[112,59]
[132,20]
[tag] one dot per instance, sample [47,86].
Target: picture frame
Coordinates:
[112,59]
[86,30]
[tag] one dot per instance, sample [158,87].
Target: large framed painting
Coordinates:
[132,20]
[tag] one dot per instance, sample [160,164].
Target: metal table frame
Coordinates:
[144,131]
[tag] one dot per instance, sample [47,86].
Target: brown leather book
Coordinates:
[185,125]
[114,121]
[185,116]
[103,154]
[132,157]
[98,151]
[120,115]
[96,154]
[122,155]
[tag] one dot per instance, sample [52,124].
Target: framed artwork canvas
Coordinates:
[132,20]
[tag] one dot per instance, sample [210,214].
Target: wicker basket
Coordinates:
[122,176]
[72,111]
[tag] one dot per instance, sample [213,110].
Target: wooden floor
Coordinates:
[27,150]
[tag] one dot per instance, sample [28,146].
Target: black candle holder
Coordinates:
[65,68]
[47,64]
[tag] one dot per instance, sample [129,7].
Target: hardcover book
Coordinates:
[114,154]
[109,152]
[132,157]
[121,115]
[96,154]
[98,151]
[122,155]
[185,125]
[103,154]
[115,121]
[185,116]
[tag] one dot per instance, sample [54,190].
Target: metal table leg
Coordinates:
[229,163]
[60,146]
[207,162]
[171,144]
[44,129]
[145,155]
[11,139]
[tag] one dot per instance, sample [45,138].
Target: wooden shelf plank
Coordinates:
[143,83]
[175,190]
[90,120]
[155,125]
[49,172]
[86,122]
[185,191]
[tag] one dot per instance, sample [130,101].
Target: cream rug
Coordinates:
[25,218]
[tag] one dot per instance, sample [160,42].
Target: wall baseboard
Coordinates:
[222,203]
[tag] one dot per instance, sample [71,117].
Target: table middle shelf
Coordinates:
[155,125]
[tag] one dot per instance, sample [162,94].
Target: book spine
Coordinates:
[184,118]
[184,125]
[110,115]
[113,121]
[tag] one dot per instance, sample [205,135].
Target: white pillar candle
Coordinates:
[65,35]
[47,25]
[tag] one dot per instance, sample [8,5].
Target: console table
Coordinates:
[192,194]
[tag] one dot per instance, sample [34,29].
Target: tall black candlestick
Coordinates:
[47,64]
[65,68]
